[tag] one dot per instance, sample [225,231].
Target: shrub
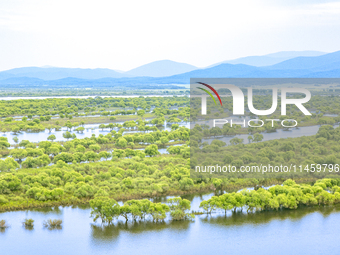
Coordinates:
[28,223]
[3,224]
[56,223]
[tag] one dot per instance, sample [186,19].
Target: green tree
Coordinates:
[4,144]
[179,208]
[51,138]
[121,143]
[18,154]
[69,125]
[80,148]
[258,137]
[236,141]
[164,140]
[67,135]
[209,205]
[53,150]
[140,113]
[105,209]
[152,150]
[94,147]
[158,211]
[80,130]
[15,129]
[91,156]
[104,154]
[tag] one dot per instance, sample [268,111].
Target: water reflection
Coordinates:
[279,134]
[107,233]
[90,129]
[264,217]
[308,230]
[48,210]
[30,228]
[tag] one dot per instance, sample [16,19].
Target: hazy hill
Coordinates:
[271,59]
[324,66]
[53,73]
[312,63]
[154,69]
[161,68]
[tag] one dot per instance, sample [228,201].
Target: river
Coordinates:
[276,232]
[280,133]
[90,129]
[85,97]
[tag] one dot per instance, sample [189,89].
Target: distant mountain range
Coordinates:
[273,58]
[155,69]
[161,68]
[54,73]
[306,64]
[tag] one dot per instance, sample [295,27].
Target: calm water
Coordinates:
[94,129]
[84,97]
[280,133]
[90,129]
[302,231]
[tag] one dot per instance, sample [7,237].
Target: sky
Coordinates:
[125,34]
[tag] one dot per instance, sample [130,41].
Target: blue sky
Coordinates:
[126,34]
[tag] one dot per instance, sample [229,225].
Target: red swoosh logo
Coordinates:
[213,90]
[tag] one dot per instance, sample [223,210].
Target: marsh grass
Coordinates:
[28,223]
[53,224]
[3,225]
[197,212]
